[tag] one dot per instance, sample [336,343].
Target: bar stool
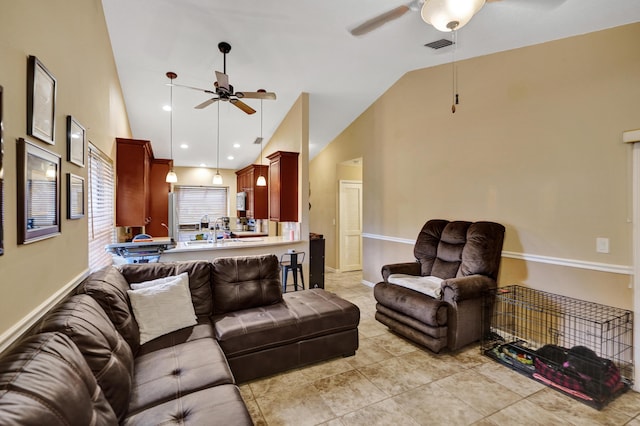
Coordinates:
[292,262]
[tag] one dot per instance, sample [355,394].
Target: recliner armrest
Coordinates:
[465,288]
[409,268]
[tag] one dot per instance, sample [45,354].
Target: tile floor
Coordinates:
[393,382]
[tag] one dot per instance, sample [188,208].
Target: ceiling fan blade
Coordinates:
[380,20]
[257,95]
[192,88]
[206,103]
[223,81]
[244,107]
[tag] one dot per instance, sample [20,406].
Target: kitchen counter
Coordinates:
[249,246]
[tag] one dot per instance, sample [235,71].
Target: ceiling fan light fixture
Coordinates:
[449,15]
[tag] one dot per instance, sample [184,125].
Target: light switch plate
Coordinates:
[602,245]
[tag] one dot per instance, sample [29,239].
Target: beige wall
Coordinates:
[324,175]
[535,144]
[293,135]
[70,38]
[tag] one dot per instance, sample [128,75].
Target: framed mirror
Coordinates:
[38,192]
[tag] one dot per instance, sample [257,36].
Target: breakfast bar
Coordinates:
[209,250]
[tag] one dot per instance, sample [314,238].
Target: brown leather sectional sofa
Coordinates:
[83,364]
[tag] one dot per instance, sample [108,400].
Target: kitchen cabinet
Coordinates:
[159,198]
[283,186]
[257,201]
[141,190]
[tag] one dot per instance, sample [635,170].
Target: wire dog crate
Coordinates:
[581,348]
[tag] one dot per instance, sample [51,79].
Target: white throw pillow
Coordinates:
[163,308]
[157,281]
[429,285]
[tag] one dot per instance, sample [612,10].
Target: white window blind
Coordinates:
[193,202]
[101,208]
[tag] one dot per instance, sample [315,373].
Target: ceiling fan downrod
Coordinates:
[225,48]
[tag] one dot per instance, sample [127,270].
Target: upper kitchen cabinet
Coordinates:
[283,186]
[141,190]
[257,201]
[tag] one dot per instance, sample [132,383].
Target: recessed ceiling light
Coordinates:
[230,157]
[236,145]
[167,108]
[184,146]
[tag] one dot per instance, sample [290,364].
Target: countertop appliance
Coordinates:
[142,249]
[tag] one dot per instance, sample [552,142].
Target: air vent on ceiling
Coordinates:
[439,44]
[258,140]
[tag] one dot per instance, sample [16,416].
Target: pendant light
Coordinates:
[217,179]
[449,15]
[171,176]
[261,179]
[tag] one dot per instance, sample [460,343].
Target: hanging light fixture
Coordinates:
[217,179]
[261,179]
[171,176]
[449,15]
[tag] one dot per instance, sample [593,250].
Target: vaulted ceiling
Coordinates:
[294,46]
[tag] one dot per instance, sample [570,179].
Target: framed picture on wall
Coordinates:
[76,142]
[41,101]
[38,192]
[75,196]
[1,180]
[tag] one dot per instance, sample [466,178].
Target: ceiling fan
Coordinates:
[225,92]
[444,15]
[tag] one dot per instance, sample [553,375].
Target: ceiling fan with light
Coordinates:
[225,92]
[444,15]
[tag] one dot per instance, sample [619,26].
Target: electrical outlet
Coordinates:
[602,245]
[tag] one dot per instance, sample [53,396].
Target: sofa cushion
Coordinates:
[163,308]
[199,278]
[107,354]
[301,315]
[159,281]
[44,380]
[219,405]
[202,330]
[175,371]
[109,288]
[245,282]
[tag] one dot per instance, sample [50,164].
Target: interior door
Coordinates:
[350,226]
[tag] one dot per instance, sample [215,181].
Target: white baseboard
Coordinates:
[368,283]
[571,263]
[18,329]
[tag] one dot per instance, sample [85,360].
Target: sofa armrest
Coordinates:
[409,268]
[466,288]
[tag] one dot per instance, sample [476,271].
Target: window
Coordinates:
[101,208]
[193,202]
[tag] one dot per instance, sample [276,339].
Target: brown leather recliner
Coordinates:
[438,300]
